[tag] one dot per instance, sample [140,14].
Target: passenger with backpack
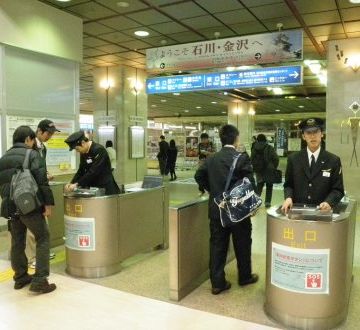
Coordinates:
[21,216]
[264,159]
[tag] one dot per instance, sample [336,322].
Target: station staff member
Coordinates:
[313,175]
[95,166]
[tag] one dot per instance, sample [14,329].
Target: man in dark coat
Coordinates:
[313,175]
[264,160]
[162,154]
[211,176]
[24,139]
[95,165]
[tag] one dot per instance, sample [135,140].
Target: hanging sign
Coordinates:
[241,50]
[272,76]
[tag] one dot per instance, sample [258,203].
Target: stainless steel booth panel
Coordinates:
[189,236]
[304,308]
[103,231]
[56,220]
[182,192]
[101,257]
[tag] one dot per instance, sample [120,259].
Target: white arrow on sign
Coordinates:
[295,74]
[150,85]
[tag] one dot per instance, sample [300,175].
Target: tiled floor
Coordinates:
[81,305]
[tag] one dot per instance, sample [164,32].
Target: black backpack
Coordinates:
[23,188]
[258,160]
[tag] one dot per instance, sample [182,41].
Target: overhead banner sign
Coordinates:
[274,76]
[236,51]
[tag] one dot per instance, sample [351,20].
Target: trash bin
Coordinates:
[309,265]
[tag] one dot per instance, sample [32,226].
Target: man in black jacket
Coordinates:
[162,154]
[313,175]
[23,139]
[95,165]
[211,176]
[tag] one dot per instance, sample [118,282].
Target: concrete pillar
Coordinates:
[342,130]
[127,106]
[241,114]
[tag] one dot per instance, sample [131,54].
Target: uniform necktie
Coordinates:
[312,163]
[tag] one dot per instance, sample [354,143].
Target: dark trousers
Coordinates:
[162,165]
[219,245]
[268,192]
[36,223]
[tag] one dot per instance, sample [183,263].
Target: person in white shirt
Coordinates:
[112,154]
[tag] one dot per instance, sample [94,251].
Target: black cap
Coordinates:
[47,125]
[311,124]
[75,139]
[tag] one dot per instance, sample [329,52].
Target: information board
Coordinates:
[272,76]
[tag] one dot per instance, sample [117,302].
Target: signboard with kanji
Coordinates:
[79,233]
[271,76]
[300,270]
[241,50]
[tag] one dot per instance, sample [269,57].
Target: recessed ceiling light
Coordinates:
[123,4]
[225,93]
[213,102]
[163,100]
[282,119]
[153,105]
[63,0]
[186,110]
[354,1]
[198,107]
[176,94]
[223,111]
[300,106]
[307,97]
[141,33]
[277,110]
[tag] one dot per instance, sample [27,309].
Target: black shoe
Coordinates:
[23,282]
[42,287]
[253,279]
[267,205]
[219,290]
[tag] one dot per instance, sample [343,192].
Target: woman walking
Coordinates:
[171,159]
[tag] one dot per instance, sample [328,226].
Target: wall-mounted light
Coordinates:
[353,62]
[251,112]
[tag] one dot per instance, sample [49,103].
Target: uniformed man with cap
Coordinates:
[313,175]
[95,166]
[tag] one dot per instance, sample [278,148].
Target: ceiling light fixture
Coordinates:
[186,110]
[223,112]
[123,4]
[300,106]
[277,90]
[198,107]
[354,1]
[353,62]
[163,100]
[225,93]
[213,102]
[63,0]
[141,33]
[176,94]
[277,110]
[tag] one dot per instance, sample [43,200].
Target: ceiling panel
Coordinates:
[93,42]
[116,37]
[271,11]
[149,17]
[92,52]
[288,23]
[185,37]
[311,6]
[160,41]
[135,44]
[256,3]
[235,16]
[224,32]
[168,27]
[201,22]
[219,6]
[325,17]
[352,27]
[131,55]
[350,14]
[184,10]
[110,48]
[249,28]
[91,10]
[326,29]
[96,28]
[119,23]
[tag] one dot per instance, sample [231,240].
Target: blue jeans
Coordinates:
[36,223]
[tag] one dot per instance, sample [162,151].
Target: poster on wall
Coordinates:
[57,150]
[191,146]
[300,270]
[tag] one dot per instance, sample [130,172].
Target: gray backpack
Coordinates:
[23,188]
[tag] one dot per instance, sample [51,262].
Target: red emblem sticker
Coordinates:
[84,240]
[314,281]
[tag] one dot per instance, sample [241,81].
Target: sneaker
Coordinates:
[253,279]
[42,287]
[23,282]
[52,255]
[219,290]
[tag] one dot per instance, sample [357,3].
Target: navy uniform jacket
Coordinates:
[95,170]
[325,184]
[212,174]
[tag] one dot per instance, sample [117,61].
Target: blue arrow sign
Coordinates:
[274,76]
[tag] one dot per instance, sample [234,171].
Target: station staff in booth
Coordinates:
[95,165]
[313,175]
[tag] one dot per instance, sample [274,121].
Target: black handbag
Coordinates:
[273,175]
[239,202]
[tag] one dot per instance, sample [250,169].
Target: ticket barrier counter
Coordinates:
[309,266]
[102,231]
[56,220]
[189,246]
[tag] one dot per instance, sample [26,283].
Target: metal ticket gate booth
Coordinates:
[309,266]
